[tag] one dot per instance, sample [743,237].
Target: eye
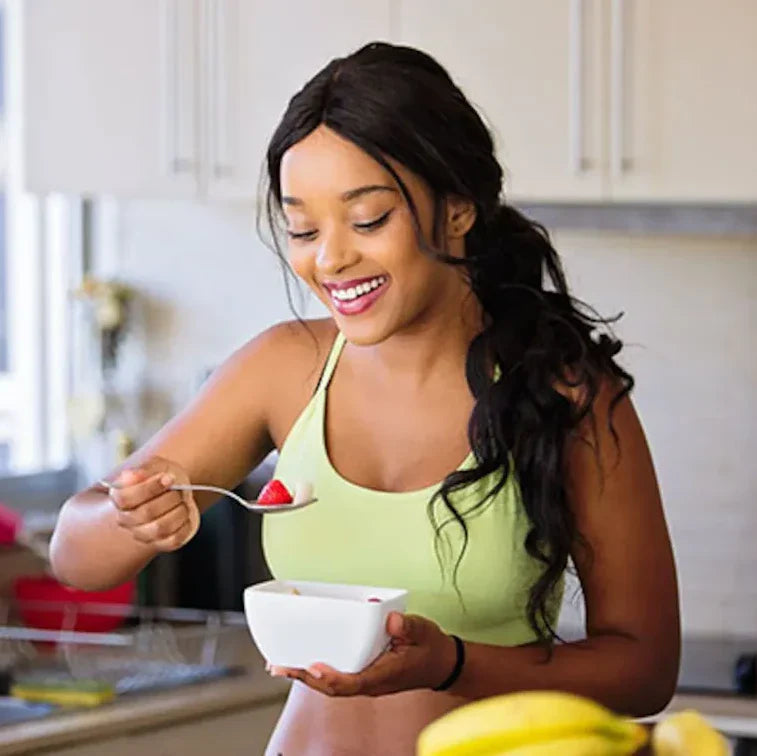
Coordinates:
[374,224]
[301,235]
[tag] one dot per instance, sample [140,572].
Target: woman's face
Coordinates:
[352,239]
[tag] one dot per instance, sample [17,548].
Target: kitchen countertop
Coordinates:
[252,688]
[145,711]
[734,715]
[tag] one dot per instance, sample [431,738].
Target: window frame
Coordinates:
[41,236]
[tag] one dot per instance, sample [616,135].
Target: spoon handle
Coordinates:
[214,489]
[251,505]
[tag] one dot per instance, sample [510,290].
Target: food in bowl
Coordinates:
[333,623]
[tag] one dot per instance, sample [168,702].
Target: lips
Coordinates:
[356,295]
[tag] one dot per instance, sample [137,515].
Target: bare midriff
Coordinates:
[313,724]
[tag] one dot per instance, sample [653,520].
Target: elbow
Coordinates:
[66,568]
[59,563]
[653,698]
[654,688]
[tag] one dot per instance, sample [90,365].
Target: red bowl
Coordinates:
[32,592]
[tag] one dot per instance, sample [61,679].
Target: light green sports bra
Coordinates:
[362,536]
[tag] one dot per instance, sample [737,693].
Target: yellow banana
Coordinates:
[687,734]
[583,745]
[522,723]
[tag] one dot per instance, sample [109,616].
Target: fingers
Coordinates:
[147,527]
[407,628]
[153,513]
[137,493]
[150,511]
[377,679]
[178,538]
[321,684]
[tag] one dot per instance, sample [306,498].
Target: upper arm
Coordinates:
[627,572]
[225,430]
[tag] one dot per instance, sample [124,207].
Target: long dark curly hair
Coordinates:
[398,103]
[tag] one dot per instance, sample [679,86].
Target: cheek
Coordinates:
[301,261]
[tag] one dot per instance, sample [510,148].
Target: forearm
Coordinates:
[89,549]
[615,670]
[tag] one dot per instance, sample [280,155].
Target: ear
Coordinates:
[461,215]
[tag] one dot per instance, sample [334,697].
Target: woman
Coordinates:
[444,345]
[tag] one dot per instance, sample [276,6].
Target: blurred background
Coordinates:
[132,134]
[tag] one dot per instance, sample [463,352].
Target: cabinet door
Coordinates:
[532,70]
[260,53]
[683,115]
[110,101]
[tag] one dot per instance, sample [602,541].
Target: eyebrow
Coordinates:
[348,196]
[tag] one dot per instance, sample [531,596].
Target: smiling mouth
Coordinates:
[351,293]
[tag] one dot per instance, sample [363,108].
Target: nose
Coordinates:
[335,253]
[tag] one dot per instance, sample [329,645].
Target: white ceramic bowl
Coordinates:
[328,622]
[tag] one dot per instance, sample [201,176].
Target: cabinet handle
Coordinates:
[578,160]
[621,161]
[175,163]
[217,82]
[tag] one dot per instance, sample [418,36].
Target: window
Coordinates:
[37,238]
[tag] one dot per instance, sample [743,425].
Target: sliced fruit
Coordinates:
[374,600]
[274,492]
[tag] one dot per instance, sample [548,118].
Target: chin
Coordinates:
[363,334]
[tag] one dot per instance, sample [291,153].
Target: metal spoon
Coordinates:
[253,505]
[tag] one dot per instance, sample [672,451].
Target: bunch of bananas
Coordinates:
[547,723]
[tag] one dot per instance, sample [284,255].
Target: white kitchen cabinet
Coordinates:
[641,100]
[683,112]
[590,100]
[532,68]
[111,96]
[171,98]
[261,53]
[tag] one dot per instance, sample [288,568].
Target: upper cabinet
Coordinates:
[683,116]
[589,100]
[644,100]
[262,53]
[110,96]
[172,98]
[532,69]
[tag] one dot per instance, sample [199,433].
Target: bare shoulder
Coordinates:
[287,354]
[294,343]
[292,356]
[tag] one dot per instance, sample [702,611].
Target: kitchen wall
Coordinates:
[690,306]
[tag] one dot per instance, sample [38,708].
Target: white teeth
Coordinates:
[354,292]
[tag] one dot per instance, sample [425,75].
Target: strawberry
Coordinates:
[274,492]
[374,600]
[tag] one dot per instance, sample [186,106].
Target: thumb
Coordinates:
[406,627]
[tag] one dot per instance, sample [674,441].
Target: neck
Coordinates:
[434,344]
